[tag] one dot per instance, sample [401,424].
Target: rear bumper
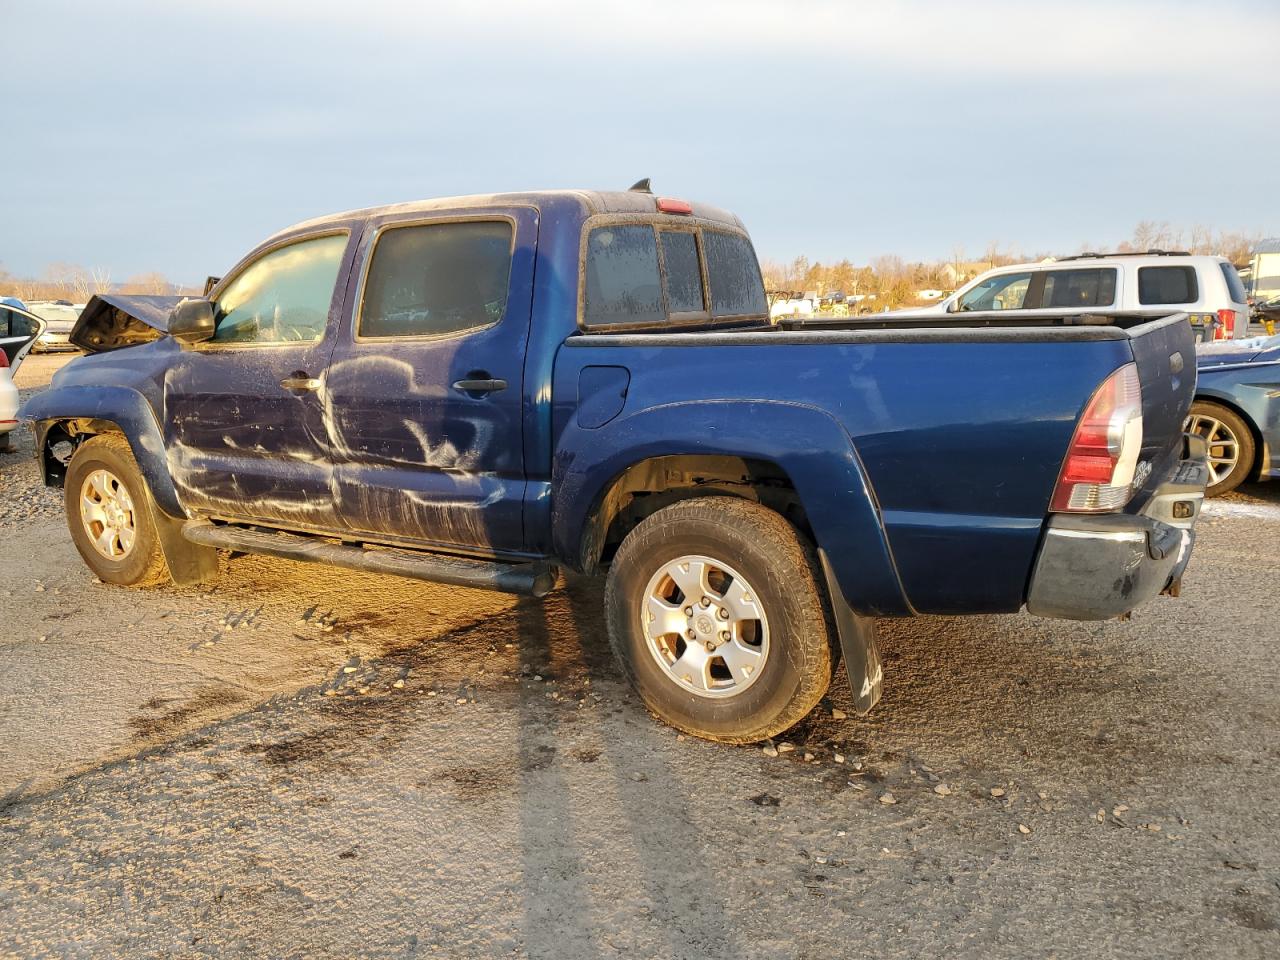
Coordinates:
[1094,567]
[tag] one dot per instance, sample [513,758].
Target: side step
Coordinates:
[534,579]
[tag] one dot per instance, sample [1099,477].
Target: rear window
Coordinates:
[436,279]
[684,275]
[623,285]
[734,272]
[1079,288]
[1161,285]
[642,274]
[1235,286]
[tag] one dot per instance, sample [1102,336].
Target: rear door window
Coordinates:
[429,280]
[683,272]
[1165,285]
[1235,286]
[622,279]
[1079,288]
[733,273]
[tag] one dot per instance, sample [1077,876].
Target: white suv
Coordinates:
[1208,288]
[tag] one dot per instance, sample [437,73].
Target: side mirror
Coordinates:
[191,321]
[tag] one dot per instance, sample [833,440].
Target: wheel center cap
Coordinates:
[703,624]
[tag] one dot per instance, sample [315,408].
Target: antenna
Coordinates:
[640,186]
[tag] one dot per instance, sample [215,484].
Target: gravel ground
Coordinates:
[305,762]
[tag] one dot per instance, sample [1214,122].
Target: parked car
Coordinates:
[1205,287]
[1267,312]
[485,390]
[60,317]
[19,329]
[1237,411]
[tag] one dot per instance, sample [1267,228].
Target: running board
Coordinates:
[533,579]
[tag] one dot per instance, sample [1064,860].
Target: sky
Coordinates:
[172,137]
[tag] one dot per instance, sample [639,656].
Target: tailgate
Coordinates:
[1165,352]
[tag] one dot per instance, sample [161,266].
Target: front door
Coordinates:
[245,422]
[426,381]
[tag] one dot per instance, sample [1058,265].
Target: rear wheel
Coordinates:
[1231,447]
[109,514]
[716,617]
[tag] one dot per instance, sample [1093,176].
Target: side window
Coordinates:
[435,279]
[15,324]
[733,273]
[1162,285]
[622,276]
[1079,288]
[282,297]
[1005,291]
[684,275]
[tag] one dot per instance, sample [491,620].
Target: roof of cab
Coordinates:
[592,202]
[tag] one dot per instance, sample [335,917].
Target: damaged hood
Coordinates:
[114,320]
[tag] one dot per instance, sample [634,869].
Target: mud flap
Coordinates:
[189,563]
[857,642]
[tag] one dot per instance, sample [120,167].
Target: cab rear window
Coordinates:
[645,275]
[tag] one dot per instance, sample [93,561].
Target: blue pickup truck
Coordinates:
[489,390]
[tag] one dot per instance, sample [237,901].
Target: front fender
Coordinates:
[809,445]
[127,409]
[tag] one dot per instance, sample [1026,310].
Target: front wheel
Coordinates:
[1231,447]
[716,618]
[109,514]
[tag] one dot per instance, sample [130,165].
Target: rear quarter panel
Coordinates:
[960,445]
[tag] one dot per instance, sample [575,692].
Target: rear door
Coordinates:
[19,331]
[426,382]
[245,415]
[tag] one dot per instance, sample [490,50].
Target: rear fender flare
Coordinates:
[807,443]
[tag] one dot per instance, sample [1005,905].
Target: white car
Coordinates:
[1206,287]
[19,330]
[60,317]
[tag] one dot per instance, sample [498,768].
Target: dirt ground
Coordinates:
[307,762]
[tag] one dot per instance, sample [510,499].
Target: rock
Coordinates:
[680,737]
[769,750]
[857,764]
[1023,829]
[997,792]
[837,714]
[786,747]
[1042,795]
[840,833]
[399,684]
[838,758]
[1118,809]
[888,798]
[942,790]
[348,669]
[1101,815]
[461,700]
[808,757]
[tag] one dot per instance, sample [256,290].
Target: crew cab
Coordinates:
[489,390]
[1206,288]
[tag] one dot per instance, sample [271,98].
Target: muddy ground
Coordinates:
[307,762]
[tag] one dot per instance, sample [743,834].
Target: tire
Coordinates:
[759,565]
[1231,458]
[103,472]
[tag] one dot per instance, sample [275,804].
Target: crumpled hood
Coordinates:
[114,320]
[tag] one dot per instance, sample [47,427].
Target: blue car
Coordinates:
[1237,410]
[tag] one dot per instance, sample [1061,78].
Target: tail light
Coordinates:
[4,359]
[1097,475]
[1227,328]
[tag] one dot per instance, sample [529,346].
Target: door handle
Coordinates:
[303,383]
[480,386]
